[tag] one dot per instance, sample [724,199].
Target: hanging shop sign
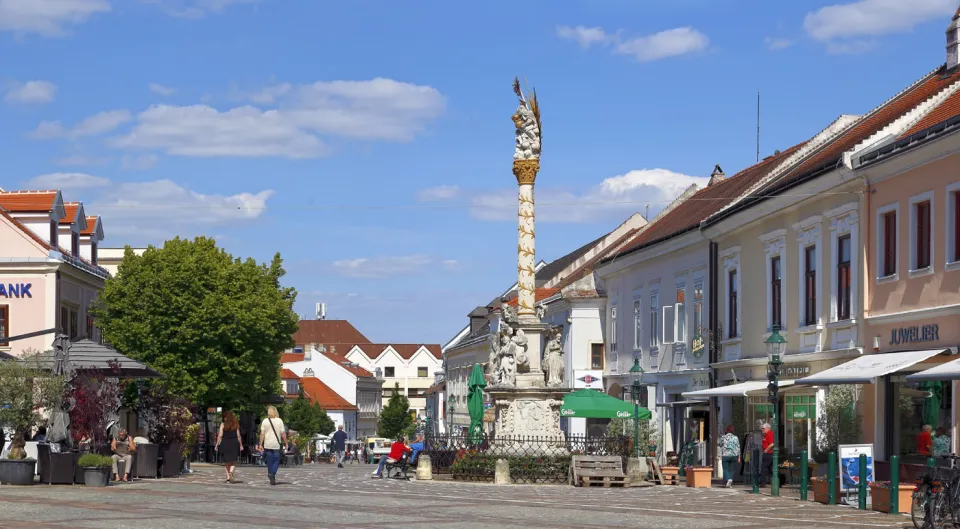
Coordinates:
[915,334]
[698,346]
[15,290]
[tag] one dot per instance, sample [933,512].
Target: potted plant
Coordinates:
[190,439]
[169,419]
[94,397]
[25,388]
[96,469]
[821,491]
[880,493]
[699,477]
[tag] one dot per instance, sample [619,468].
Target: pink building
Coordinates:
[48,269]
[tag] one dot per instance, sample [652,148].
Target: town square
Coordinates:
[297,264]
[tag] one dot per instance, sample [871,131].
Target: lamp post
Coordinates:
[636,372]
[776,344]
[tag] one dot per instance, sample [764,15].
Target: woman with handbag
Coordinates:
[273,437]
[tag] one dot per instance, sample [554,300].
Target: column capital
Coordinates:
[526,171]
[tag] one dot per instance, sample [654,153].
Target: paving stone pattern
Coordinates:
[323,496]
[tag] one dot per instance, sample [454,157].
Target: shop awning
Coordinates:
[733,390]
[947,371]
[865,369]
[784,385]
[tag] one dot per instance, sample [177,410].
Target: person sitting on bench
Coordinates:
[397,450]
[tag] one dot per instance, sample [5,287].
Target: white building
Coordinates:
[411,366]
[110,258]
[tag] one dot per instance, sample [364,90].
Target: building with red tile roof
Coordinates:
[412,367]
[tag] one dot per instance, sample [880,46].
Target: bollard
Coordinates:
[832,479]
[895,485]
[755,470]
[804,475]
[862,484]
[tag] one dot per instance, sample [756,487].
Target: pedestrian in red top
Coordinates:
[397,450]
[925,441]
[766,468]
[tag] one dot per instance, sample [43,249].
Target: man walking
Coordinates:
[340,445]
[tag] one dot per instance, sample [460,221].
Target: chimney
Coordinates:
[953,41]
[307,373]
[716,176]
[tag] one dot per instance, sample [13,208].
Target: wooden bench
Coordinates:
[598,470]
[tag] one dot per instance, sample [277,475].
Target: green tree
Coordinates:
[838,422]
[307,418]
[395,416]
[215,326]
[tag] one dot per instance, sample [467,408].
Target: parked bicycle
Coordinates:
[936,497]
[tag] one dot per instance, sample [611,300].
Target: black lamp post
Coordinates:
[776,344]
[636,372]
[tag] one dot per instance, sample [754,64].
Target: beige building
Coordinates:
[412,366]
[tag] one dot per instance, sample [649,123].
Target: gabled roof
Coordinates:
[405,350]
[287,358]
[320,393]
[328,332]
[946,110]
[337,358]
[556,266]
[31,201]
[74,214]
[94,228]
[687,215]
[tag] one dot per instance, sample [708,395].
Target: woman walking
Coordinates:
[729,454]
[229,443]
[273,436]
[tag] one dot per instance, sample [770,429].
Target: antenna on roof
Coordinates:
[646,212]
[758,125]
[321,311]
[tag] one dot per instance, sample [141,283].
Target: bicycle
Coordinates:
[936,497]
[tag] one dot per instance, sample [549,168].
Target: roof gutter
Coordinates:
[909,143]
[655,242]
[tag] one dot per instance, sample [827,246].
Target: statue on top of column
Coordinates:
[527,121]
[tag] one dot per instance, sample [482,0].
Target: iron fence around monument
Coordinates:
[531,459]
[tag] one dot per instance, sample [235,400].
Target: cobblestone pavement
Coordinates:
[324,496]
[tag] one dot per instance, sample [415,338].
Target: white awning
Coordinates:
[733,390]
[947,371]
[784,385]
[865,369]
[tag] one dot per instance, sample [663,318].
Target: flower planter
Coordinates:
[699,477]
[17,471]
[96,477]
[821,492]
[671,475]
[880,495]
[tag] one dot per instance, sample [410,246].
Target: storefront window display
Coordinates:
[921,404]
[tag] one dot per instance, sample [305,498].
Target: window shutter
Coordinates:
[668,324]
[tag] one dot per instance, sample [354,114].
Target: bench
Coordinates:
[598,470]
[400,467]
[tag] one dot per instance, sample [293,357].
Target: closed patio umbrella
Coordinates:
[475,386]
[931,404]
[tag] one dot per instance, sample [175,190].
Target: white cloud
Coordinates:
[160,89]
[611,199]
[851,47]
[160,209]
[378,109]
[66,181]
[94,125]
[48,18]
[81,160]
[873,18]
[439,193]
[777,43]
[30,92]
[664,44]
[145,161]
[390,266]
[195,9]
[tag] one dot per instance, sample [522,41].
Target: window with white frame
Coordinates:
[669,329]
[775,250]
[654,321]
[731,274]
[637,325]
[888,235]
[844,240]
[921,233]
[681,315]
[808,240]
[698,308]
[953,226]
[810,285]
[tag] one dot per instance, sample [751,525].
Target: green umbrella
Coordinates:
[475,402]
[931,405]
[595,405]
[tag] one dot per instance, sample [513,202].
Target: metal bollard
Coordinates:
[832,479]
[862,484]
[895,485]
[804,475]
[755,470]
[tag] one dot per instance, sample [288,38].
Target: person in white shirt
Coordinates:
[273,437]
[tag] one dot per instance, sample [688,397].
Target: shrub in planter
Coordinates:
[96,469]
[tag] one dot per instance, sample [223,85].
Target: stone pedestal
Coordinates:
[501,475]
[424,468]
[636,469]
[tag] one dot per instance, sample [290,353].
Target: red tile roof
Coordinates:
[287,358]
[287,374]
[91,228]
[28,201]
[688,214]
[320,393]
[539,294]
[342,361]
[872,123]
[71,209]
[946,110]
[405,350]
[328,332]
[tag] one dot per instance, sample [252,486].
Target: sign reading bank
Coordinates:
[15,290]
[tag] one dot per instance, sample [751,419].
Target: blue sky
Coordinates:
[370,142]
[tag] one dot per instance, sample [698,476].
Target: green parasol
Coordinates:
[931,404]
[595,405]
[475,402]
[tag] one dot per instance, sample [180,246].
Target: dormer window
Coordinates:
[292,387]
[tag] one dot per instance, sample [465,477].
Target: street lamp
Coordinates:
[636,372]
[776,344]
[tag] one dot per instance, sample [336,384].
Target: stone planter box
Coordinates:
[96,476]
[17,471]
[699,477]
[821,492]
[880,495]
